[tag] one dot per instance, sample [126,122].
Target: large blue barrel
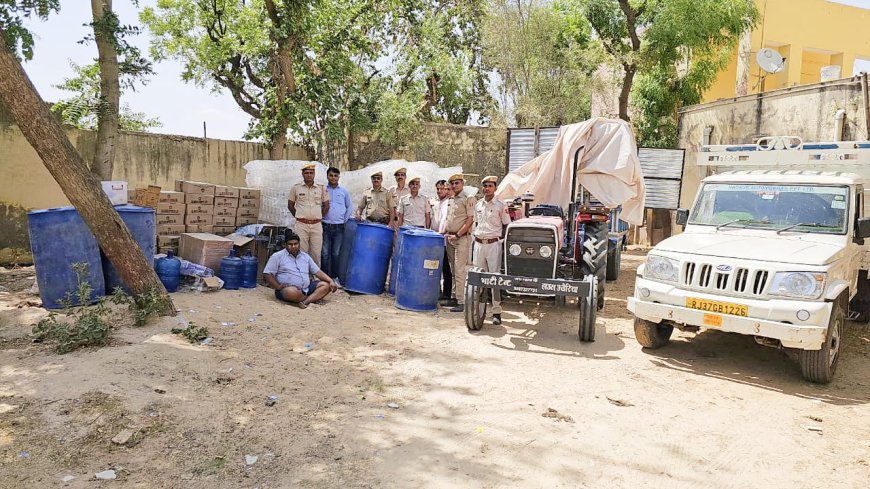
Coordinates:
[419,277]
[58,238]
[142,225]
[231,271]
[169,271]
[394,263]
[249,271]
[346,248]
[370,258]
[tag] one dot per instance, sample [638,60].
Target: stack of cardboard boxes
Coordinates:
[170,220]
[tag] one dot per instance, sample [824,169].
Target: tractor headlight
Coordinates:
[546,251]
[661,268]
[515,250]
[801,285]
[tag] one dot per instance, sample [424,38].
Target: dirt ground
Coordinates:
[371,396]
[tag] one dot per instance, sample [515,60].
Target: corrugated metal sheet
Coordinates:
[522,147]
[661,163]
[662,194]
[547,138]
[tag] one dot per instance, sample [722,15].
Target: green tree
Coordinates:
[674,47]
[12,14]
[543,60]
[81,110]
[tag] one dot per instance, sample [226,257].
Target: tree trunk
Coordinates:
[627,81]
[110,91]
[351,158]
[69,170]
[744,56]
[276,150]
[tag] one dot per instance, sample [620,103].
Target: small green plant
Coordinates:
[85,325]
[192,332]
[142,306]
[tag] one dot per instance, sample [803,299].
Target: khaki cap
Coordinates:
[400,170]
[490,178]
[309,166]
[456,176]
[378,174]
[415,179]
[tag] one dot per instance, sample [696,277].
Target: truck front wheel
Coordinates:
[652,335]
[819,366]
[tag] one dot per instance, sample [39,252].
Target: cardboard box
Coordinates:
[168,240]
[224,191]
[170,229]
[198,219]
[248,193]
[199,210]
[225,211]
[131,195]
[244,221]
[223,220]
[198,199]
[116,190]
[204,249]
[245,212]
[169,219]
[223,230]
[199,228]
[147,197]
[242,244]
[178,185]
[226,202]
[249,204]
[165,208]
[169,196]
[198,188]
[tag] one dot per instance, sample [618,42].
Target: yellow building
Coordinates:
[811,35]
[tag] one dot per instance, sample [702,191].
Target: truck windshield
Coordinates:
[788,208]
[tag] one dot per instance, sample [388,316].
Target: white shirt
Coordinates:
[442,215]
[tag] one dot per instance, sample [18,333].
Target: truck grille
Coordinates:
[530,265]
[741,281]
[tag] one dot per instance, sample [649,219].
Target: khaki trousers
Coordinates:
[457,256]
[311,239]
[487,256]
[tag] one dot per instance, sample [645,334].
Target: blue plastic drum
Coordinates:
[346,248]
[394,263]
[370,258]
[58,239]
[419,276]
[142,225]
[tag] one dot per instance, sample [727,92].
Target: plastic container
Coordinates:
[231,271]
[397,255]
[419,271]
[59,238]
[346,247]
[168,270]
[249,270]
[142,225]
[370,258]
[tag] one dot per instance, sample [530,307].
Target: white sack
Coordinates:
[608,168]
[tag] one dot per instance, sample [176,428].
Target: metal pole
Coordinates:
[866,104]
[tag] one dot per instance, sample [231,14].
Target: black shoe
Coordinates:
[447,302]
[458,308]
[496,319]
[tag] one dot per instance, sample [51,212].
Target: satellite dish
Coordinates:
[770,60]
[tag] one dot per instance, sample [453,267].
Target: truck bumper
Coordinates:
[775,319]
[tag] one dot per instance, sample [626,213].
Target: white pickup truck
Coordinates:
[773,247]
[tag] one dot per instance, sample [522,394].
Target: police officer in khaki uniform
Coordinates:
[309,202]
[377,203]
[414,209]
[490,219]
[460,216]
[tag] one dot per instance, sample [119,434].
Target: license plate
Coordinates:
[716,306]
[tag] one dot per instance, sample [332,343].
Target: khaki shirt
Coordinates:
[309,200]
[460,208]
[489,218]
[398,194]
[414,209]
[376,204]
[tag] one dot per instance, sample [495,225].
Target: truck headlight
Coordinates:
[515,250]
[802,285]
[545,251]
[661,268]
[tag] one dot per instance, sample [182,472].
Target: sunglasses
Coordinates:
[376,178]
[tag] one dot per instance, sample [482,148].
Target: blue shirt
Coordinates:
[340,206]
[293,270]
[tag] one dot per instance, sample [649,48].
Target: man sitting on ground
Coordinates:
[289,272]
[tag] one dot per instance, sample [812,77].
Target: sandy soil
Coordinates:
[520,405]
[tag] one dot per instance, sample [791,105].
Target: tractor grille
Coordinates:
[530,264]
[738,281]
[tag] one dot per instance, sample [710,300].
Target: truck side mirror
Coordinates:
[862,228]
[682,216]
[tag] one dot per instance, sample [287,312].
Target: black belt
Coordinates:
[331,224]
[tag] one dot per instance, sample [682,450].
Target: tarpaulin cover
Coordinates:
[608,167]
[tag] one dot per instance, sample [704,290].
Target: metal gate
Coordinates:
[662,168]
